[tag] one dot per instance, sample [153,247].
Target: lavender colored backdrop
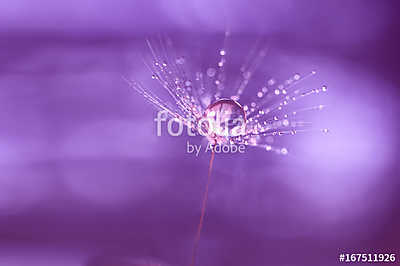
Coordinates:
[84,180]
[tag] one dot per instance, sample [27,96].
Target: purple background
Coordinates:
[85,181]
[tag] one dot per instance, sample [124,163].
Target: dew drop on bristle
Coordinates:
[226,118]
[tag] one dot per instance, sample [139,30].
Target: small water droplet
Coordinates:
[271,82]
[211,72]
[285,122]
[247,75]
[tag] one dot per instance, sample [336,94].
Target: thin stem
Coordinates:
[203,211]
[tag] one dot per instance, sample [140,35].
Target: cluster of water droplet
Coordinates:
[198,95]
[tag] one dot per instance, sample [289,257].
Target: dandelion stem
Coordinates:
[203,210]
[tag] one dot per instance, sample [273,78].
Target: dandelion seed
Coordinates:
[198,95]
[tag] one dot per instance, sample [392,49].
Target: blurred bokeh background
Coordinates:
[85,181]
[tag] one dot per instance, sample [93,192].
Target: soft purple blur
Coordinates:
[85,181]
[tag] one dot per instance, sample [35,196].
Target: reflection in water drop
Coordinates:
[226,118]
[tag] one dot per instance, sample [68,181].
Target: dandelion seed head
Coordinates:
[209,94]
